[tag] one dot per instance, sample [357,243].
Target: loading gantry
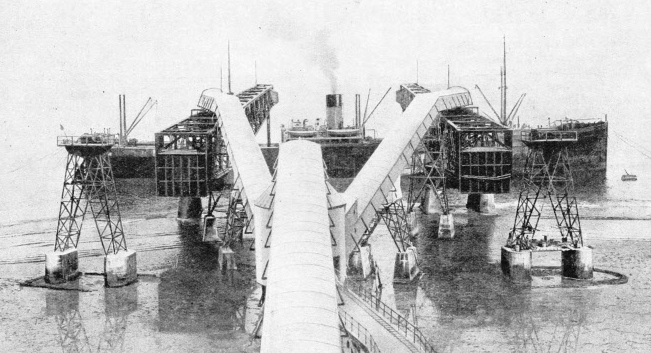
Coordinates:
[192,162]
[461,150]
[547,176]
[88,182]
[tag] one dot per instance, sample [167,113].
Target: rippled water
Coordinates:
[182,301]
[462,302]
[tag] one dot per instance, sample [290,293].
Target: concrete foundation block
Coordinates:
[209,233]
[431,204]
[226,258]
[189,208]
[472,203]
[516,264]
[406,265]
[482,203]
[414,225]
[446,226]
[360,261]
[355,263]
[120,269]
[61,266]
[577,263]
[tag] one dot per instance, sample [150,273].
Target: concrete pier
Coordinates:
[431,204]
[61,266]
[396,193]
[360,261]
[516,264]
[120,269]
[414,224]
[482,203]
[189,208]
[406,266]
[577,263]
[446,226]
[209,233]
[226,258]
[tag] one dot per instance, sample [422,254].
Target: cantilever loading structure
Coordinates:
[463,150]
[191,157]
[369,192]
[301,223]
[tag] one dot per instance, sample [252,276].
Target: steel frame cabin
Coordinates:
[190,156]
[478,151]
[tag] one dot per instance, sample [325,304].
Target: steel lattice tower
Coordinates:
[547,175]
[88,182]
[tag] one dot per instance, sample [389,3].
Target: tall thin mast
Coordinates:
[501,94]
[229,68]
[504,84]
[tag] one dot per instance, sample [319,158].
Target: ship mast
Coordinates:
[503,88]
[229,68]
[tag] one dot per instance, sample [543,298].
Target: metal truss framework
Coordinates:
[394,216]
[547,175]
[257,102]
[478,152]
[428,170]
[89,182]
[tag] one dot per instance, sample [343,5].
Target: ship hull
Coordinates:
[343,160]
[588,156]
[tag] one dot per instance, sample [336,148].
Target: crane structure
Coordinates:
[192,161]
[463,150]
[88,184]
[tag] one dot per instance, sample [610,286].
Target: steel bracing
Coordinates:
[394,216]
[547,176]
[378,178]
[428,170]
[88,182]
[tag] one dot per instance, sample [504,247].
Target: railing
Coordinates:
[359,332]
[87,140]
[409,329]
[554,135]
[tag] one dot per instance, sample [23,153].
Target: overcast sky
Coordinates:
[63,63]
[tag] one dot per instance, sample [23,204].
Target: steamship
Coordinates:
[345,148]
[588,156]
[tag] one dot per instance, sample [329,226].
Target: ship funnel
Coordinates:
[334,117]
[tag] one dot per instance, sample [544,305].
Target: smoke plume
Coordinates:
[315,44]
[325,55]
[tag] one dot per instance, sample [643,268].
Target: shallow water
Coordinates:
[462,302]
[182,301]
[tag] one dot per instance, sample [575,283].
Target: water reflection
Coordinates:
[72,337]
[557,329]
[196,295]
[118,304]
[64,306]
[464,290]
